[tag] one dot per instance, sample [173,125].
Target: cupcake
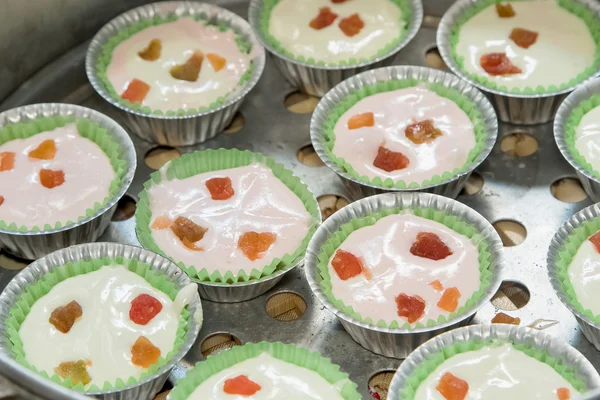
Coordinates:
[179,70]
[106,319]
[416,128]
[264,371]
[319,43]
[442,257]
[235,221]
[66,168]
[527,63]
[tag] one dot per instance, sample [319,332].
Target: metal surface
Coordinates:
[515,188]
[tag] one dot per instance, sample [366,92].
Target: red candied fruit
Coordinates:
[144,308]
[346,264]
[422,132]
[351,25]
[498,64]
[241,385]
[254,244]
[136,91]
[216,61]
[7,161]
[595,239]
[502,318]
[152,52]
[220,188]
[389,160]
[410,307]
[63,318]
[429,245]
[437,285]
[449,300]
[76,370]
[324,19]
[505,10]
[144,353]
[51,179]
[523,37]
[452,387]
[190,70]
[361,120]
[45,151]
[1,200]
[563,394]
[183,227]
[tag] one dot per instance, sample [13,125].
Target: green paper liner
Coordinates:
[34,292]
[572,6]
[285,352]
[450,221]
[105,58]
[267,8]
[571,128]
[86,129]
[469,107]
[434,360]
[214,160]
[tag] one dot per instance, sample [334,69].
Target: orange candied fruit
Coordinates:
[410,307]
[498,64]
[254,244]
[136,91]
[144,353]
[422,132]
[76,370]
[220,188]
[351,25]
[429,245]
[449,300]
[190,70]
[502,318]
[217,62]
[563,393]
[161,222]
[324,19]
[45,151]
[191,245]
[595,239]
[437,285]
[361,120]
[143,308]
[389,160]
[523,37]
[1,200]
[241,385]
[152,52]
[452,387]
[505,10]
[63,318]
[183,227]
[51,179]
[7,161]
[346,264]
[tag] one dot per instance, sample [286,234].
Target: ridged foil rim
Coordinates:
[33,111]
[518,334]
[33,272]
[373,204]
[351,85]
[180,8]
[255,11]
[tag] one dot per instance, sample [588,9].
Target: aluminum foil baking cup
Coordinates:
[357,189]
[176,130]
[532,337]
[317,80]
[35,244]
[145,388]
[525,109]
[400,342]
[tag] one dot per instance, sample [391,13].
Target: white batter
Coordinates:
[385,248]
[290,19]
[564,47]
[88,175]
[393,112]
[587,138]
[584,274]
[498,373]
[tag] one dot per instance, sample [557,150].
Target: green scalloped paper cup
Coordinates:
[317,78]
[39,277]
[565,360]
[286,352]
[23,122]
[233,286]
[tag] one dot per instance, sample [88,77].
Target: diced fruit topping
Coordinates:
[498,64]
[144,353]
[152,52]
[136,91]
[324,19]
[449,300]
[190,70]
[1,200]
[595,239]
[64,317]
[361,120]
[410,307]
[241,386]
[352,25]
[254,244]
[51,179]
[452,387]
[161,222]
[143,308]
[422,132]
[389,160]
[523,37]
[346,264]
[563,394]
[191,245]
[217,62]
[429,245]
[220,188]
[7,161]
[76,370]
[45,151]
[502,318]
[437,285]
[186,228]
[505,10]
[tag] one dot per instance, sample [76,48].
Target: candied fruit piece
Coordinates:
[452,387]
[422,132]
[410,307]
[502,318]
[190,70]
[361,120]
[152,52]
[324,19]
[143,308]
[1,200]
[523,37]
[161,222]
[346,264]
[505,10]
[51,179]
[429,245]
[365,270]
[45,151]
[76,370]
[64,317]
[220,188]
[498,64]
[191,245]
[186,228]
[217,62]
[389,160]
[254,244]
[437,285]
[144,353]
[7,161]
[563,393]
[449,300]
[241,385]
[595,239]
[351,25]
[136,91]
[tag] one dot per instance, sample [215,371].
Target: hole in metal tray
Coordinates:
[433,59]
[511,296]
[511,232]
[236,124]
[519,144]
[379,384]
[286,306]
[216,342]
[473,184]
[125,208]
[330,203]
[568,190]
[8,261]
[300,103]
[159,156]
[307,156]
